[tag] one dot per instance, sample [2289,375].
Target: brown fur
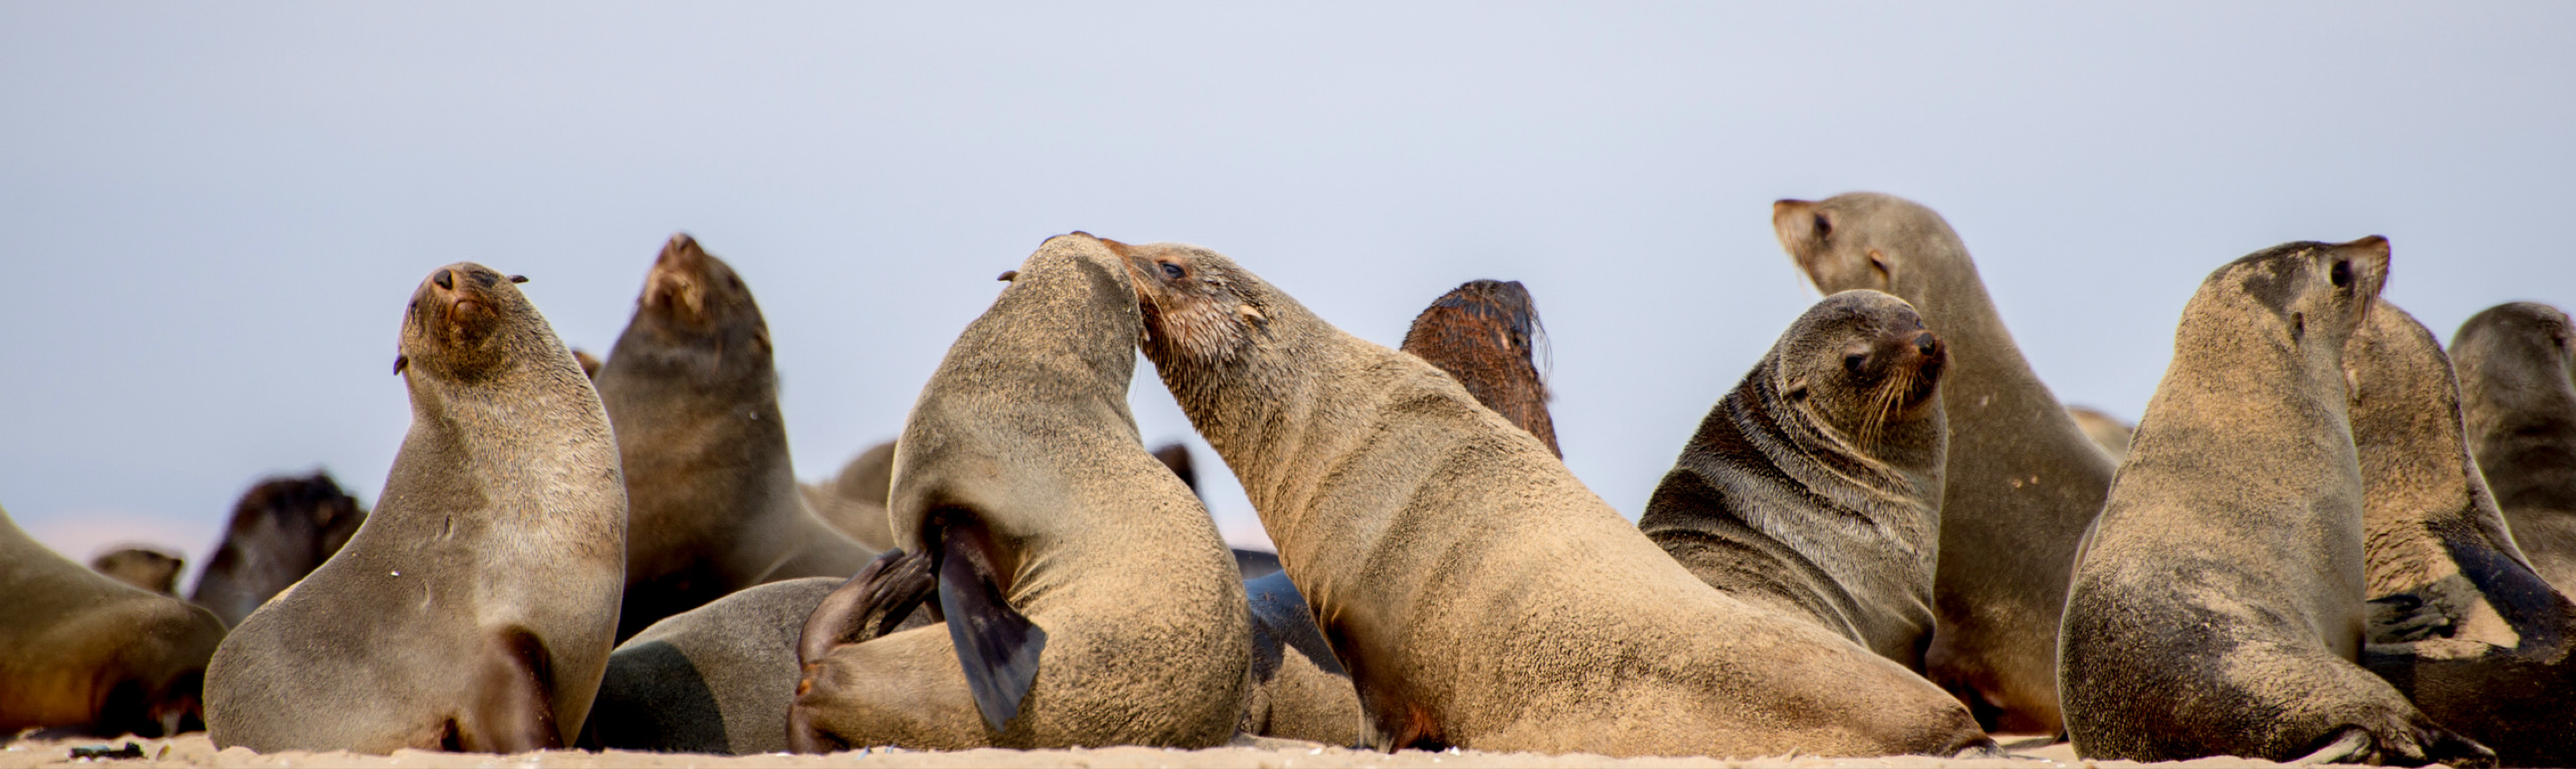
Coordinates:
[1815,487]
[854,501]
[711,492]
[716,679]
[1479,595]
[2106,431]
[475,609]
[2515,362]
[2217,603]
[1024,435]
[142,566]
[281,529]
[2023,481]
[81,651]
[2459,621]
[1486,334]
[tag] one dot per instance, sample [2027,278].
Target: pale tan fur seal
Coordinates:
[475,609]
[1479,595]
[2106,431]
[2459,622]
[1815,487]
[2023,481]
[2515,362]
[1088,598]
[711,492]
[2217,603]
[84,652]
[143,566]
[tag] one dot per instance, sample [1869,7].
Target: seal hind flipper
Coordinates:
[873,603]
[996,644]
[510,704]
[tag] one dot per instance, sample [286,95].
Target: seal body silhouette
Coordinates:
[2458,620]
[281,529]
[2022,480]
[1088,599]
[712,496]
[151,568]
[1814,487]
[2515,362]
[475,609]
[82,651]
[715,679]
[2216,608]
[1479,596]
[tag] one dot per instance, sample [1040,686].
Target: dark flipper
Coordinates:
[997,646]
[871,604]
[512,704]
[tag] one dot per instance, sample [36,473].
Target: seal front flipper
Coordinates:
[510,708]
[996,644]
[873,603]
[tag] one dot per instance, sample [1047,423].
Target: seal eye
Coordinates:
[2341,274]
[1171,271]
[1824,227]
[1852,362]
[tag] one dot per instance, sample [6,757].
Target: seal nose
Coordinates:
[445,279]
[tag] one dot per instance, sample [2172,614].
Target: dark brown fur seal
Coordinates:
[281,530]
[2515,362]
[1478,594]
[2217,603]
[711,492]
[475,609]
[1088,598]
[2458,620]
[87,653]
[1815,487]
[2023,481]
[1486,334]
[143,566]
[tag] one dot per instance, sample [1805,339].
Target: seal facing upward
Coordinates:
[475,608]
[2516,361]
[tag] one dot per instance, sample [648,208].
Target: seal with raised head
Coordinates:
[281,529]
[81,651]
[1478,594]
[712,501]
[2458,620]
[144,566]
[1088,599]
[1814,487]
[1486,334]
[2516,361]
[2022,482]
[2217,603]
[475,609]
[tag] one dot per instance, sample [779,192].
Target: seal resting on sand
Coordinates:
[1480,596]
[1088,599]
[1815,487]
[82,651]
[475,609]
[2217,604]
[711,493]
[2022,481]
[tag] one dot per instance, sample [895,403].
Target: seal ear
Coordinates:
[996,644]
[401,362]
[1009,275]
[518,278]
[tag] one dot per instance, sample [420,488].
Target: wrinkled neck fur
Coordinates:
[1254,405]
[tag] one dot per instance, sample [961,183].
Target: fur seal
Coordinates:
[715,679]
[1486,334]
[1478,594]
[2217,601]
[854,501]
[1814,488]
[2023,481]
[2515,362]
[1088,598]
[2106,431]
[2459,622]
[281,529]
[79,650]
[143,566]
[475,609]
[711,495]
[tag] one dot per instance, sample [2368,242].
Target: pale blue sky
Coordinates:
[215,213]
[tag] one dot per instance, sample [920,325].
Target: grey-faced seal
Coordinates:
[1486,334]
[715,679]
[1814,487]
[475,609]
[281,530]
[1088,598]
[711,494]
[2515,362]
[2022,480]
[2217,602]
[144,566]
[2459,622]
[1478,594]
[2106,431]
[84,652]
